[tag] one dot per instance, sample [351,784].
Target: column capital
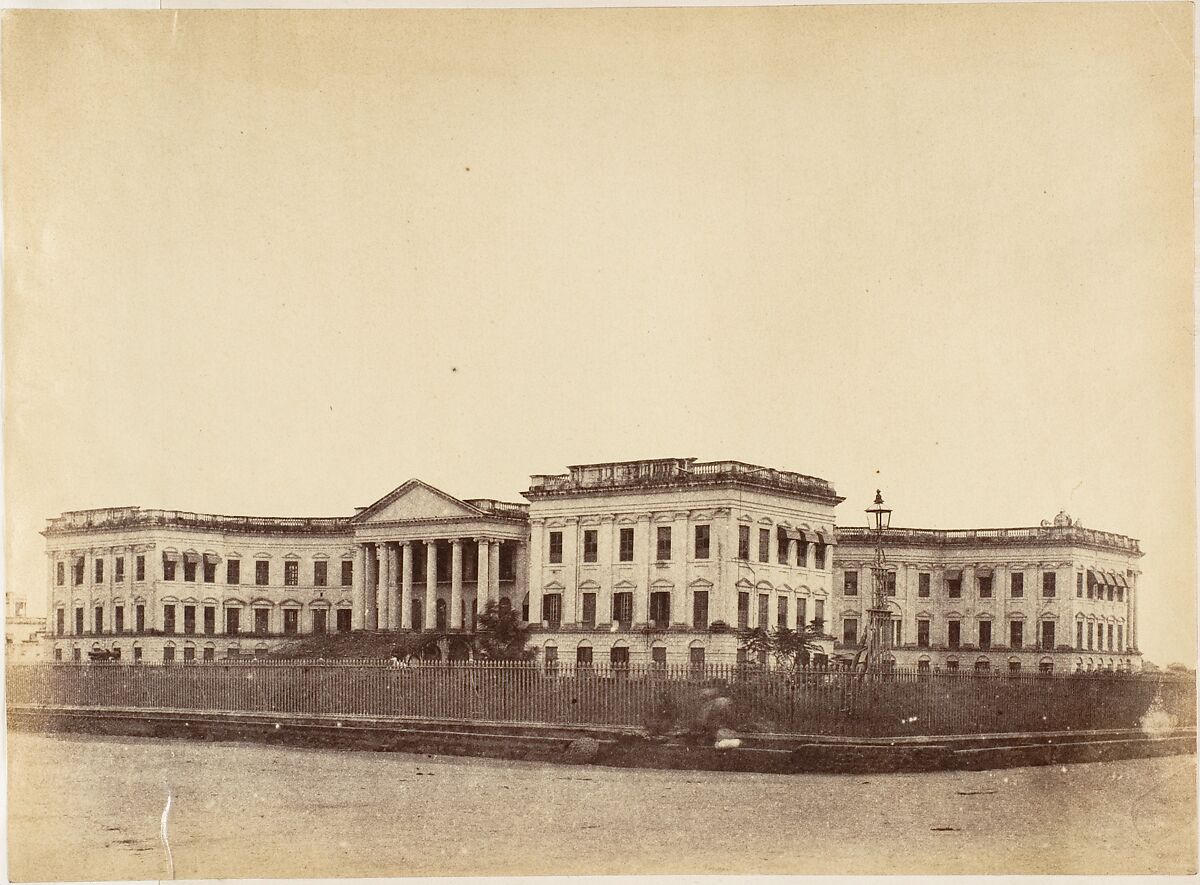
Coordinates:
[406,544]
[456,543]
[481,540]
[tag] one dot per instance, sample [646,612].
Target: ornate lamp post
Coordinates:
[879,615]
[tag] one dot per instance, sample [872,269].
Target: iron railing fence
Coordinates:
[661,699]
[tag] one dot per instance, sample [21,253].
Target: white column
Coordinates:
[383,594]
[406,585]
[482,579]
[606,555]
[494,572]
[642,555]
[520,574]
[456,588]
[393,622]
[537,532]
[371,609]
[430,585]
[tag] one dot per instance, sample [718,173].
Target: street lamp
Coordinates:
[879,615]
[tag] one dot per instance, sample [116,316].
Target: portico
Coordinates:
[428,561]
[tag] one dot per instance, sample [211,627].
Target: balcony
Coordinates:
[1062,534]
[679,472]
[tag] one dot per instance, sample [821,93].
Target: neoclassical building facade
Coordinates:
[653,561]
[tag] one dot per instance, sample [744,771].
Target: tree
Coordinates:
[789,648]
[500,636]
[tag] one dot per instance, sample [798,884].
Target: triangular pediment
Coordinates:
[415,500]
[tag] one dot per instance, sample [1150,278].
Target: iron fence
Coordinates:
[661,699]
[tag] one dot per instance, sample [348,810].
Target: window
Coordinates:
[1120,594]
[801,613]
[210,573]
[1079,585]
[583,656]
[819,611]
[60,625]
[119,569]
[1014,666]
[139,618]
[1016,634]
[1079,635]
[552,610]
[923,665]
[169,655]
[291,573]
[1091,589]
[233,620]
[983,666]
[850,584]
[782,614]
[819,565]
[589,609]
[320,573]
[291,621]
[781,546]
[953,637]
[99,619]
[189,655]
[764,545]
[660,609]
[347,572]
[1048,635]
[618,656]
[923,633]
[626,552]
[233,571]
[1046,667]
[923,586]
[139,569]
[551,656]
[700,609]
[320,621]
[75,654]
[591,543]
[764,611]
[1120,637]
[169,571]
[189,619]
[1016,585]
[60,578]
[696,656]
[889,583]
[77,571]
[58,654]
[702,537]
[954,587]
[210,620]
[743,542]
[952,665]
[802,553]
[985,587]
[622,613]
[663,548]
[262,572]
[743,611]
[168,619]
[985,634]
[897,626]
[262,620]
[99,570]
[78,620]
[210,654]
[850,630]
[344,620]
[556,546]
[189,570]
[1109,597]
[1048,588]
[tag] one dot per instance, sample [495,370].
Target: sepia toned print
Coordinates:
[787,415]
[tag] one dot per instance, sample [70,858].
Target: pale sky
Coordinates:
[278,263]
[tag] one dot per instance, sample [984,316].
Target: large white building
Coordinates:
[667,560]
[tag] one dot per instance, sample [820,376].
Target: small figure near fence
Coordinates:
[715,719]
